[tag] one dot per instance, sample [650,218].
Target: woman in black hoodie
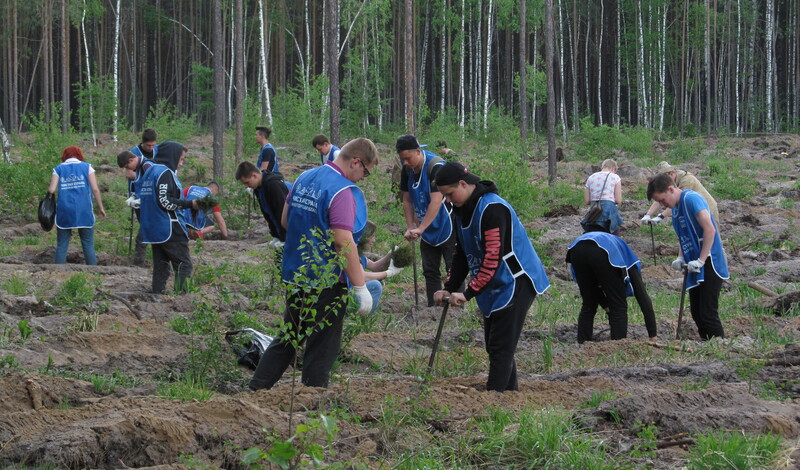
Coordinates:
[494,248]
[160,193]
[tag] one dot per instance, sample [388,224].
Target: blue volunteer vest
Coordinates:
[441,228]
[155,222]
[331,154]
[201,219]
[74,205]
[309,203]
[690,236]
[138,152]
[521,261]
[261,158]
[619,253]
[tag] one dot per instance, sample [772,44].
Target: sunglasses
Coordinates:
[364,167]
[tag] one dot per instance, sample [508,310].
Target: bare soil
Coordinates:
[46,418]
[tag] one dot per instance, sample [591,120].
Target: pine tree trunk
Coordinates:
[332,28]
[769,54]
[65,91]
[409,71]
[239,78]
[523,83]
[551,94]
[47,57]
[461,100]
[218,45]
[600,65]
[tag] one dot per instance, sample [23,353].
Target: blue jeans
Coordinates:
[375,289]
[63,236]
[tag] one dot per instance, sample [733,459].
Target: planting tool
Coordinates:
[130,237]
[438,334]
[414,262]
[653,239]
[683,296]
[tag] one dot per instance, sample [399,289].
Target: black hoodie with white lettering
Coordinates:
[168,185]
[495,221]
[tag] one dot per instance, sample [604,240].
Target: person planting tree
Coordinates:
[159,191]
[327,151]
[699,243]
[506,273]
[270,191]
[607,271]
[201,222]
[324,206]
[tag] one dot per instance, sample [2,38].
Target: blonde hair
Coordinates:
[609,164]
[362,148]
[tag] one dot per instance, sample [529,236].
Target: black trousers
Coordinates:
[322,344]
[432,257]
[599,283]
[501,332]
[705,304]
[174,252]
[140,249]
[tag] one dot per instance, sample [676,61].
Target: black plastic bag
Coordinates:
[250,352]
[593,213]
[47,211]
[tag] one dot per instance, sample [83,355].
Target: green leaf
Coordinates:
[252,455]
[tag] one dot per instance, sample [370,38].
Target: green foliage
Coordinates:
[596,143]
[9,362]
[728,179]
[735,450]
[77,292]
[302,450]
[17,284]
[203,85]
[96,103]
[648,441]
[184,390]
[208,353]
[25,330]
[168,121]
[599,397]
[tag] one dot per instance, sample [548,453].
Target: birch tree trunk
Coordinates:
[6,143]
[238,32]
[769,52]
[488,63]
[462,99]
[707,60]
[618,84]
[663,73]
[218,45]
[736,85]
[115,68]
[443,58]
[262,38]
[47,56]
[562,83]
[551,93]
[88,74]
[600,65]
[523,72]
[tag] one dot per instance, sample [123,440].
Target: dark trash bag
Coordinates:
[248,353]
[47,211]
[595,209]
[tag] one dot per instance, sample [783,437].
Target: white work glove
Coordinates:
[364,299]
[645,220]
[249,190]
[677,265]
[392,269]
[133,202]
[653,220]
[275,244]
[695,266]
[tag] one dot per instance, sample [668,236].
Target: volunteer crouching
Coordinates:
[322,199]
[160,193]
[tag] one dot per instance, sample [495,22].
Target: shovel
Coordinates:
[683,296]
[438,334]
[653,239]
[414,262]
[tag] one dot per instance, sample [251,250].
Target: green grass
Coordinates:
[734,450]
[184,391]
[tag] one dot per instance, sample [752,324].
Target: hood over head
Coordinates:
[169,154]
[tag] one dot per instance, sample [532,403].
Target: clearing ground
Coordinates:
[52,413]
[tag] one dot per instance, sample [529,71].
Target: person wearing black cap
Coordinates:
[506,273]
[427,215]
[162,228]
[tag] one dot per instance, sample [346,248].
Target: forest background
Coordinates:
[303,67]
